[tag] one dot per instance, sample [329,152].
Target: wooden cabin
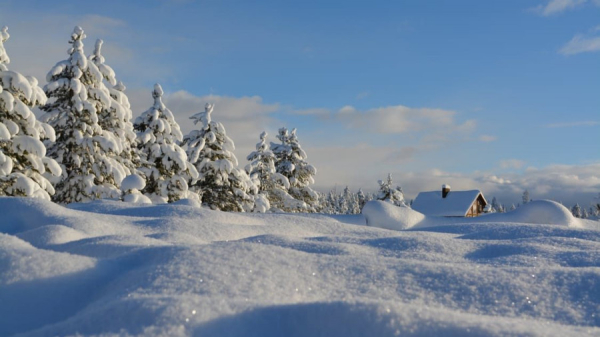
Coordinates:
[449,203]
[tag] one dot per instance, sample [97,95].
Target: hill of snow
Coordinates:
[112,268]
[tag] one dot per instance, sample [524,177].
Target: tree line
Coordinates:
[86,145]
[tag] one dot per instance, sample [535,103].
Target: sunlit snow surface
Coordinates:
[111,268]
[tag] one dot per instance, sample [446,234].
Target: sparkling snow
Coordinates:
[115,268]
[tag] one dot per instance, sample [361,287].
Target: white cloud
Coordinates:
[566,183]
[582,43]
[397,119]
[554,7]
[558,6]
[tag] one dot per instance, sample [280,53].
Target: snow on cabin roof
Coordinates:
[456,203]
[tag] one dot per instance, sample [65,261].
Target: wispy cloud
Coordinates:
[397,119]
[572,124]
[554,7]
[582,43]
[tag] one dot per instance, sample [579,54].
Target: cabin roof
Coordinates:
[456,203]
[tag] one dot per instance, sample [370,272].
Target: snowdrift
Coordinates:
[386,215]
[545,212]
[112,268]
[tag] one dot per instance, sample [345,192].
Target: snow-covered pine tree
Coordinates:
[222,185]
[116,118]
[526,198]
[498,208]
[344,201]
[272,184]
[291,162]
[362,200]
[390,194]
[354,206]
[85,152]
[23,161]
[166,169]
[329,203]
[576,210]
[584,213]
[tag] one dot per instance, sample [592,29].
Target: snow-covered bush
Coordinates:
[24,167]
[85,151]
[291,163]
[221,184]
[131,187]
[390,194]
[166,169]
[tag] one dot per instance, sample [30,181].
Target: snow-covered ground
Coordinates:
[107,268]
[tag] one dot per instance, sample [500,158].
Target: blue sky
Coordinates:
[496,95]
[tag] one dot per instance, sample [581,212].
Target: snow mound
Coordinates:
[545,212]
[389,216]
[51,235]
[20,261]
[112,268]
[131,182]
[187,202]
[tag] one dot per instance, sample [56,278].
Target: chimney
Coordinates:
[445,190]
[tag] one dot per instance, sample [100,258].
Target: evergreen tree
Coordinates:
[344,201]
[526,198]
[498,208]
[222,185]
[166,170]
[576,210]
[513,207]
[23,161]
[329,203]
[362,199]
[116,118]
[291,163]
[85,152]
[272,184]
[584,213]
[390,194]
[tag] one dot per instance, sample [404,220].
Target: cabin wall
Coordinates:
[476,208]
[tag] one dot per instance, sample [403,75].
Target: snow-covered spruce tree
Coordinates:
[388,193]
[526,198]
[23,161]
[576,211]
[86,152]
[166,167]
[221,184]
[272,184]
[362,200]
[116,118]
[498,208]
[291,163]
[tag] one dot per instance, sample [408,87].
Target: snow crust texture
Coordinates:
[120,269]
